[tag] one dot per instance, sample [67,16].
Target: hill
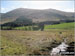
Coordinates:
[36,15]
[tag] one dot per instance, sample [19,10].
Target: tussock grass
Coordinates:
[18,42]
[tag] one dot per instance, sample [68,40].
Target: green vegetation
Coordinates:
[61,26]
[9,47]
[23,28]
[27,28]
[22,20]
[65,26]
[50,27]
[6,28]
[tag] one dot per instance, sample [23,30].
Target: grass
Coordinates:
[9,47]
[61,26]
[50,27]
[15,42]
[24,28]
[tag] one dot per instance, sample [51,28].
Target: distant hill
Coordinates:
[23,15]
[1,14]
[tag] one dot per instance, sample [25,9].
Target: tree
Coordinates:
[41,26]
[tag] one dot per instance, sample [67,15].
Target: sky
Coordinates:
[67,6]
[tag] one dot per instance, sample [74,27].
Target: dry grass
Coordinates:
[27,42]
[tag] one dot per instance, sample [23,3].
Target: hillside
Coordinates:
[61,26]
[1,14]
[36,15]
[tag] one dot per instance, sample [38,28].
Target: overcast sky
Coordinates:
[67,6]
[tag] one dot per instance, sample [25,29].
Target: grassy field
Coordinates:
[24,28]
[61,26]
[18,42]
[50,27]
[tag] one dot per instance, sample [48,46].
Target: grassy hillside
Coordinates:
[60,26]
[35,15]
